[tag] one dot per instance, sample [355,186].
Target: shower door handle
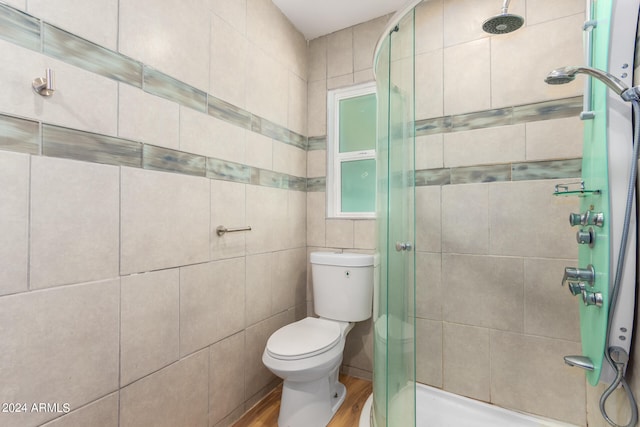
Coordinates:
[403,246]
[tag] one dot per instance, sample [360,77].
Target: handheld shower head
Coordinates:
[503,23]
[567,74]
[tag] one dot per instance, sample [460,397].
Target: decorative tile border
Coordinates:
[19,135]
[23,29]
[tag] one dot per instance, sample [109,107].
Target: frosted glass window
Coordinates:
[358,123]
[358,186]
[351,151]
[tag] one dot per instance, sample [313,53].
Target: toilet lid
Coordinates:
[304,338]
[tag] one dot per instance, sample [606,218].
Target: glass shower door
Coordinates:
[394,324]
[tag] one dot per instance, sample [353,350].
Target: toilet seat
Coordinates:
[306,338]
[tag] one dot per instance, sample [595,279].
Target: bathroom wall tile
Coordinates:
[523,365]
[174,396]
[228,209]
[549,310]
[150,322]
[259,151]
[228,62]
[433,126]
[363,76]
[501,144]
[288,279]
[90,147]
[548,110]
[484,291]
[317,59]
[429,152]
[316,163]
[102,412]
[339,233]
[18,135]
[429,219]
[72,333]
[202,134]
[212,298]
[90,56]
[554,139]
[485,119]
[358,349]
[228,112]
[256,375]
[258,288]
[147,118]
[229,171]
[364,234]
[297,219]
[523,60]
[297,121]
[233,12]
[511,213]
[14,222]
[475,174]
[278,132]
[267,215]
[340,53]
[226,369]
[317,108]
[429,84]
[18,98]
[433,177]
[365,37]
[267,87]
[18,27]
[468,88]
[546,10]
[97,21]
[167,228]
[429,351]
[170,38]
[429,31]
[429,286]
[316,184]
[289,159]
[466,361]
[74,228]
[316,219]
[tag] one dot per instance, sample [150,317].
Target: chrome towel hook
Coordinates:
[44,85]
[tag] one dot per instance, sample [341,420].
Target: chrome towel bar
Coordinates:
[221,229]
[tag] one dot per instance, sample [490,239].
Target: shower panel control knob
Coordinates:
[576,288]
[586,237]
[579,275]
[403,246]
[575,219]
[587,218]
[592,298]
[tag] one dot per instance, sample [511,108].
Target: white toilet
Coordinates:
[307,354]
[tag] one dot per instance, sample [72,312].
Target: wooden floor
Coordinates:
[265,413]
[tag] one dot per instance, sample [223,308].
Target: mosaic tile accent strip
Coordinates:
[479,174]
[165,86]
[273,179]
[318,184]
[19,135]
[228,112]
[19,28]
[553,169]
[165,159]
[317,143]
[277,132]
[556,109]
[433,177]
[90,56]
[90,147]
[228,171]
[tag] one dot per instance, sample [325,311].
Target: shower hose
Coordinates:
[616,356]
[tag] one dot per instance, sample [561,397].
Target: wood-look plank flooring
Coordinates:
[265,413]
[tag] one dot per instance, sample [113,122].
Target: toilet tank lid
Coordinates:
[346,259]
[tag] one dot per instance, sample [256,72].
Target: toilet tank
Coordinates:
[342,285]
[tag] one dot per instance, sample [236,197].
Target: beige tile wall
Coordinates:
[116,294]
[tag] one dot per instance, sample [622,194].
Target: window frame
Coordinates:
[335,158]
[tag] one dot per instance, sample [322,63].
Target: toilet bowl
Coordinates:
[307,354]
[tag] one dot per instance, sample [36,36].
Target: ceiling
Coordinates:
[315,18]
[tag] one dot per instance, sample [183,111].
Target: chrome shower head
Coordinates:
[567,74]
[503,23]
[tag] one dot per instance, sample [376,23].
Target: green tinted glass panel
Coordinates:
[358,123]
[359,186]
